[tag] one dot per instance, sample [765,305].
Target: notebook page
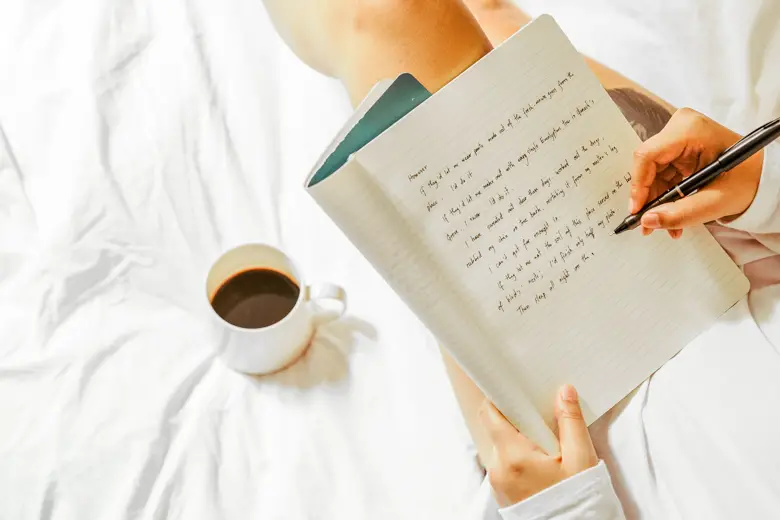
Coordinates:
[363,212]
[511,179]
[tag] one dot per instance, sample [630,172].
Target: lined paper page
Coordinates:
[507,183]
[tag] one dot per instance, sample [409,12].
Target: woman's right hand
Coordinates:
[688,142]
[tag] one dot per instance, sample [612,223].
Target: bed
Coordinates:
[139,139]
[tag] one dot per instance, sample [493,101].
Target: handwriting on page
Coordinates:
[534,239]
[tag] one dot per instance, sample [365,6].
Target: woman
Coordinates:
[363,41]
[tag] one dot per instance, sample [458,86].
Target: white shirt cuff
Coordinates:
[588,494]
[763,215]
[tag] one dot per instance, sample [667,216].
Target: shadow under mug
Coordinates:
[271,348]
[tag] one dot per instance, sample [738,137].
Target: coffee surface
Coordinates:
[256,298]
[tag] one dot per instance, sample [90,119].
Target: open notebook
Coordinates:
[488,208]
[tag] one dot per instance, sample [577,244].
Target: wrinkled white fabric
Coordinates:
[138,140]
[141,138]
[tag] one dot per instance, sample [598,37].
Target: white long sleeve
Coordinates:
[753,239]
[585,495]
[763,215]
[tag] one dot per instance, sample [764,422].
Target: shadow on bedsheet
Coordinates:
[326,361]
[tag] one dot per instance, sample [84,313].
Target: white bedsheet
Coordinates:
[138,140]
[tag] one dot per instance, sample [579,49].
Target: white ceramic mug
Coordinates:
[271,348]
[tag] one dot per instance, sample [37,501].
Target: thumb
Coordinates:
[577,449]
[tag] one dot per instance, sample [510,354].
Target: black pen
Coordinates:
[729,159]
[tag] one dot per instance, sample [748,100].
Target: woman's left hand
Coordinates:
[520,468]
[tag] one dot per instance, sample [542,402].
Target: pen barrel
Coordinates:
[750,145]
[702,178]
[666,197]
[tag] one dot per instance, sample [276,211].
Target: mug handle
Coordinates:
[327,291]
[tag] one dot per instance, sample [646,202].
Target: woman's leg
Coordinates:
[364,41]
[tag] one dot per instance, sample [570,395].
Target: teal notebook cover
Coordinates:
[400,98]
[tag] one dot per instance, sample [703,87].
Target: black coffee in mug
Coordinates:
[256,298]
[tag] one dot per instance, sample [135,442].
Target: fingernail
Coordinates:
[651,220]
[631,205]
[569,394]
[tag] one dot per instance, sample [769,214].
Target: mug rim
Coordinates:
[296,272]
